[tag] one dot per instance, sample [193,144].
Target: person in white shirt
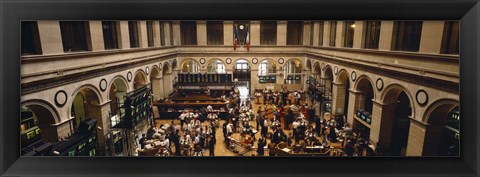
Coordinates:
[209,108]
[182,118]
[229,129]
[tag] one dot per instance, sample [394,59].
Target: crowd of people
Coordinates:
[280,111]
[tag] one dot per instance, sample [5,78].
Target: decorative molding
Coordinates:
[103,85]
[353,75]
[406,77]
[61,98]
[147,70]
[422,97]
[281,61]
[129,76]
[228,60]
[379,84]
[202,61]
[45,84]
[254,60]
[335,70]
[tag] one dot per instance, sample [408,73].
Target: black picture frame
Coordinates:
[12,12]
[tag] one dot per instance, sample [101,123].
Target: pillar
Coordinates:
[358,35]
[316,34]
[201,33]
[339,40]
[176,33]
[50,37]
[166,30]
[416,139]
[386,34]
[338,99]
[156,34]
[228,33]
[382,123]
[254,33]
[431,38]
[161,92]
[96,35]
[142,34]
[354,105]
[281,33]
[306,33]
[326,33]
[156,89]
[124,35]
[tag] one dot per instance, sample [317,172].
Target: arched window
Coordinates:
[267,72]
[293,72]
[267,68]
[190,66]
[216,66]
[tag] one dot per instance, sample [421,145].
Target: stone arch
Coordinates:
[139,79]
[174,64]
[360,81]
[308,64]
[328,72]
[215,60]
[395,119]
[92,88]
[154,72]
[295,59]
[437,107]
[155,82]
[184,67]
[272,63]
[342,77]
[89,105]
[269,60]
[46,115]
[434,139]
[317,69]
[118,79]
[390,94]
[250,64]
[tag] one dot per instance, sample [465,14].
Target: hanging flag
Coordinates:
[235,37]
[248,40]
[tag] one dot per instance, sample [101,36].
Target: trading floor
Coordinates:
[314,88]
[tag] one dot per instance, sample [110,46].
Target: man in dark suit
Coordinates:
[261,145]
[318,125]
[211,145]
[142,142]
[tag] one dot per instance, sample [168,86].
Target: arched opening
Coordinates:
[395,120]
[86,104]
[116,94]
[167,80]
[140,80]
[216,66]
[309,65]
[341,93]
[363,106]
[442,136]
[190,66]
[326,89]
[317,71]
[267,71]
[35,124]
[155,80]
[241,75]
[293,71]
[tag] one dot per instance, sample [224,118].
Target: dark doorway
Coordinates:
[401,126]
